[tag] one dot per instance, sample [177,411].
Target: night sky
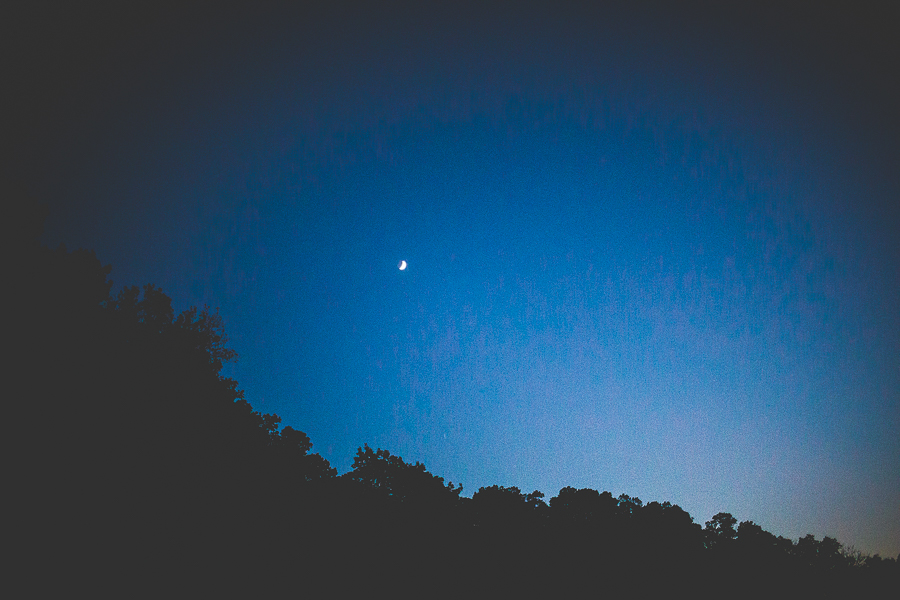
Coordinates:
[650,250]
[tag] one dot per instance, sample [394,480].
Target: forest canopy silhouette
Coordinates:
[140,456]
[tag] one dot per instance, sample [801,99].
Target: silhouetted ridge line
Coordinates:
[144,457]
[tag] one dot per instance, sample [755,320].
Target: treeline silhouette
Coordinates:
[137,464]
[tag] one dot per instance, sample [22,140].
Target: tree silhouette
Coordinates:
[136,441]
[761,550]
[719,531]
[392,478]
[506,507]
[583,508]
[292,448]
[670,530]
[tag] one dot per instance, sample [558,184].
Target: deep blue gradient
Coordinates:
[650,251]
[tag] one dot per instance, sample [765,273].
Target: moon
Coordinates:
[402,265]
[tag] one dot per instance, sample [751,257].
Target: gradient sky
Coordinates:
[651,251]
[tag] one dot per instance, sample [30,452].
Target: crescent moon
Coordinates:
[402,265]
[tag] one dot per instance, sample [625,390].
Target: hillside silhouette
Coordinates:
[139,466]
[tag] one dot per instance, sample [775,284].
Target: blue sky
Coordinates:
[651,251]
